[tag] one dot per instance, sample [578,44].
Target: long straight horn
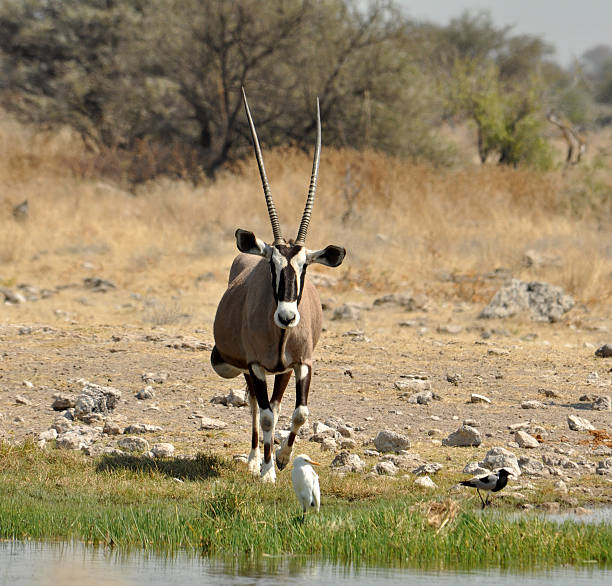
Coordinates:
[276,230]
[301,237]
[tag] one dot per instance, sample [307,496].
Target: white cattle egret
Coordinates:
[306,482]
[492,482]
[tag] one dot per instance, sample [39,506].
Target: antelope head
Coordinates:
[288,259]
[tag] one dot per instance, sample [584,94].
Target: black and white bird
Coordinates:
[490,482]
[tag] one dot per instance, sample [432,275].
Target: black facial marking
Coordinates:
[287,283]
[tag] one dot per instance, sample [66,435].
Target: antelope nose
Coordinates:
[286,317]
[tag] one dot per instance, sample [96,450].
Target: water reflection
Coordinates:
[63,564]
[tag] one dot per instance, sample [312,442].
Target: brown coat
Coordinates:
[244,329]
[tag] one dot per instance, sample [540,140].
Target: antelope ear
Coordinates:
[331,256]
[248,243]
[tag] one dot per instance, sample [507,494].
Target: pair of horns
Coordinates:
[278,237]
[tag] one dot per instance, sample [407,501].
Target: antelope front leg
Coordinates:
[254,462]
[266,420]
[300,414]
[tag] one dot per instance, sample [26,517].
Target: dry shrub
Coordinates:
[403,224]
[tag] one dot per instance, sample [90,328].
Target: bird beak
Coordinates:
[314,463]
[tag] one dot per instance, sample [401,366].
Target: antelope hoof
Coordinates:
[283,455]
[267,472]
[254,462]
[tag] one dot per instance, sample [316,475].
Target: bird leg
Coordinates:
[483,503]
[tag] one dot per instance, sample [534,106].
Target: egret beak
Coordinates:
[314,463]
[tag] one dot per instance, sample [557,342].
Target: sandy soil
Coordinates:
[48,344]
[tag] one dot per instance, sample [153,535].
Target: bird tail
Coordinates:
[467,483]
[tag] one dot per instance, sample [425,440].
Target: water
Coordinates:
[69,564]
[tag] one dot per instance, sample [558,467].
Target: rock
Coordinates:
[188,343]
[95,399]
[543,301]
[498,352]
[524,440]
[576,423]
[163,450]
[212,424]
[425,482]
[471,422]
[464,436]
[21,400]
[429,468]
[534,258]
[476,398]
[604,351]
[347,462]
[48,435]
[154,377]
[146,393]
[475,469]
[604,466]
[111,428]
[422,398]
[61,402]
[348,443]
[412,382]
[532,404]
[141,428]
[133,444]
[98,285]
[531,467]
[561,486]
[454,378]
[11,297]
[501,458]
[602,403]
[346,311]
[391,441]
[237,398]
[329,444]
[322,432]
[386,468]
[407,301]
[522,425]
[449,329]
[71,440]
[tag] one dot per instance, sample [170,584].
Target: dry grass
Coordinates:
[403,224]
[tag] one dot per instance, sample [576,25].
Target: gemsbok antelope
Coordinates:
[269,319]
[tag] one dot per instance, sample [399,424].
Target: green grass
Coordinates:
[217,509]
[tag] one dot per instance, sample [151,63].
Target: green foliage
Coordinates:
[154,86]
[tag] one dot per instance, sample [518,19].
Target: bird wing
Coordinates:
[316,494]
[484,482]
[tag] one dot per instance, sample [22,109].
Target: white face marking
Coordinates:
[287,314]
[280,262]
[298,262]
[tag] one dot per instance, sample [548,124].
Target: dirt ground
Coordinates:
[47,344]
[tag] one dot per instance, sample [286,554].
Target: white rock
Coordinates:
[212,424]
[347,462]
[464,436]
[476,398]
[524,440]
[237,398]
[391,441]
[425,482]
[532,404]
[48,435]
[501,458]
[386,468]
[576,423]
[163,450]
[133,444]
